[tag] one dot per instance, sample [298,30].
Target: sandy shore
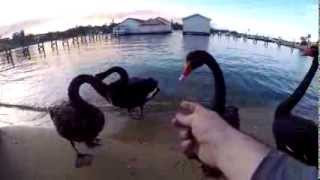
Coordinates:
[133,149]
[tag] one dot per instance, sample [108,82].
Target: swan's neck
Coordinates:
[122,73]
[218,104]
[74,90]
[287,105]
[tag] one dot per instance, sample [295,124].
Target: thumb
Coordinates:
[188,106]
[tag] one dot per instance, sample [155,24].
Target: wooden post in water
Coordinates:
[234,37]
[93,38]
[83,39]
[75,40]
[26,52]
[65,43]
[227,36]
[1,51]
[279,44]
[8,54]
[245,37]
[54,45]
[255,41]
[100,36]
[41,48]
[90,37]
[291,50]
[109,36]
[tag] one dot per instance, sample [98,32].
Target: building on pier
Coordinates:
[196,25]
[137,26]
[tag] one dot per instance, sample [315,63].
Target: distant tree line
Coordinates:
[19,39]
[176,26]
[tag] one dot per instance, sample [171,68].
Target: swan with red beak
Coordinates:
[197,59]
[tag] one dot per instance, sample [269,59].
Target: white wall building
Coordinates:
[138,26]
[196,24]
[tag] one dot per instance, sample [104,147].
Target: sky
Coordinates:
[289,19]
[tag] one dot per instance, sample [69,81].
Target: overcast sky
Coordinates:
[289,19]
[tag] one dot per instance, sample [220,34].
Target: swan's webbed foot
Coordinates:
[83,160]
[136,116]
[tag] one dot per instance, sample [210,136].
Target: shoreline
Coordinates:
[132,149]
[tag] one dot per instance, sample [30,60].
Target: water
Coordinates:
[256,76]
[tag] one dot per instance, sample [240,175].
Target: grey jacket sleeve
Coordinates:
[279,166]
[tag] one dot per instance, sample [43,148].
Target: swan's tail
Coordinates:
[25,107]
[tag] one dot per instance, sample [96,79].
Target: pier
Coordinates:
[256,38]
[77,41]
[7,54]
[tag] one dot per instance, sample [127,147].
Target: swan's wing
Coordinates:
[142,87]
[136,81]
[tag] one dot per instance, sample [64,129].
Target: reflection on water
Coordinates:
[256,76]
[191,43]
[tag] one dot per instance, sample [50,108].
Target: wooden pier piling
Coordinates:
[65,43]
[75,41]
[244,39]
[255,41]
[54,45]
[26,52]
[41,48]
[8,54]
[83,39]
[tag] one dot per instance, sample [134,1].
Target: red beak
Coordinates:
[186,71]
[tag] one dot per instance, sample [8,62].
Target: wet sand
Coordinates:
[132,149]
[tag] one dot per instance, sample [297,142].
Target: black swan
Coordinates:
[128,92]
[76,120]
[293,134]
[195,60]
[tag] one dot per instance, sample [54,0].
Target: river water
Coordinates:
[256,76]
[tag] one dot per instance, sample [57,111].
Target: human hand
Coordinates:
[206,136]
[202,131]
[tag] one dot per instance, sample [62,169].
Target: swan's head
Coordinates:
[194,60]
[312,51]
